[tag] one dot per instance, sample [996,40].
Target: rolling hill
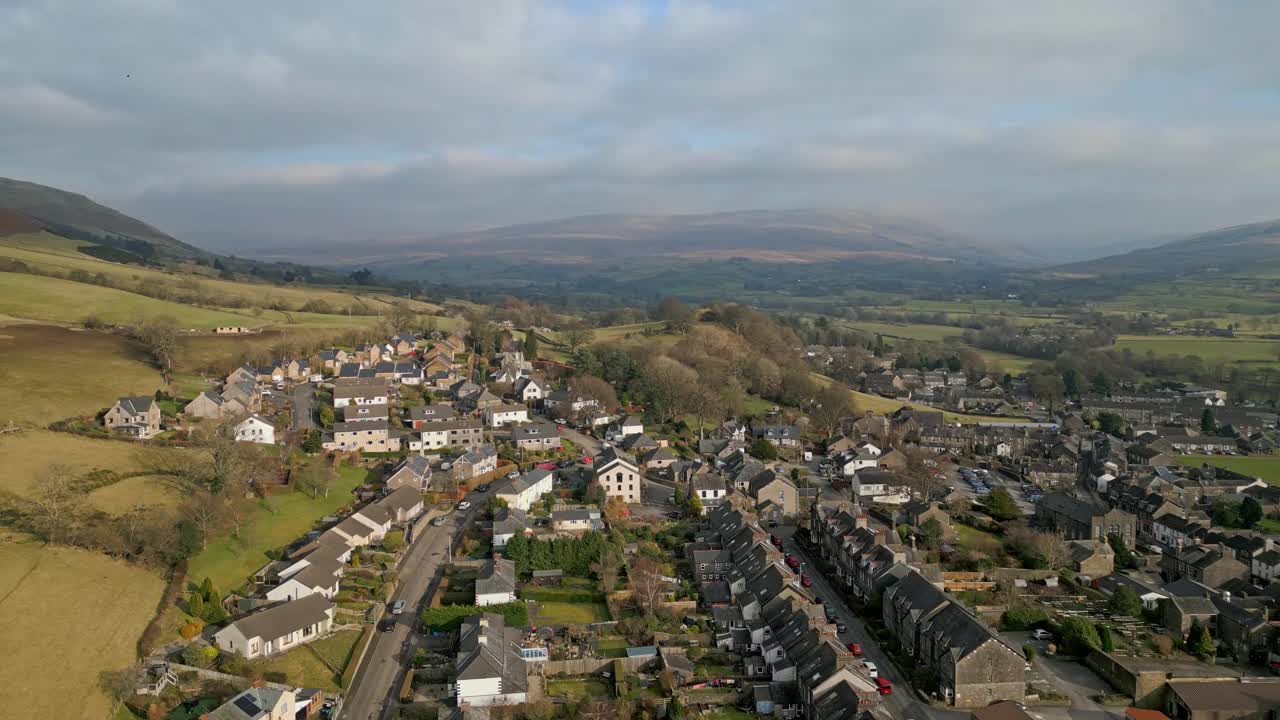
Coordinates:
[1232,249]
[770,236]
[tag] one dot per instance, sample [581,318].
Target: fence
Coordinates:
[235,680]
[590,666]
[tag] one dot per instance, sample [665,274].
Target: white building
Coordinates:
[496,583]
[256,429]
[504,415]
[523,491]
[619,476]
[277,628]
[491,670]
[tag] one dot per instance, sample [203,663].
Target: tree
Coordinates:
[576,335]
[530,345]
[1110,423]
[1125,602]
[1072,382]
[834,404]
[1106,641]
[1052,546]
[160,336]
[57,501]
[1124,558]
[762,449]
[598,389]
[1225,512]
[931,533]
[648,583]
[668,382]
[1079,636]
[1208,423]
[314,478]
[195,605]
[615,509]
[1001,506]
[677,315]
[1250,512]
[120,685]
[1199,642]
[327,417]
[1046,387]
[607,567]
[695,505]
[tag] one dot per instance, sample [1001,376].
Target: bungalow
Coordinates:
[259,703]
[507,523]
[659,458]
[536,436]
[414,473]
[374,393]
[523,491]
[475,463]
[320,576]
[403,504]
[870,483]
[277,628]
[137,416]
[496,582]
[212,405]
[617,473]
[576,520]
[504,415]
[256,429]
[490,668]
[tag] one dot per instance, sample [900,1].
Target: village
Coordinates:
[532,547]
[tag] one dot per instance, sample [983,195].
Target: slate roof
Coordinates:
[255,703]
[402,498]
[137,405]
[534,431]
[497,656]
[1064,504]
[510,521]
[280,620]
[496,577]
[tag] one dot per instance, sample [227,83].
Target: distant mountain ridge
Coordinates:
[781,236]
[72,214]
[1230,249]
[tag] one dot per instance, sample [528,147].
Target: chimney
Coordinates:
[257,684]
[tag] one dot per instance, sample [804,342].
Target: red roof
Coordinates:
[1140,714]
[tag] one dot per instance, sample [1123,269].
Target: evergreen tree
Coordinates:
[530,345]
[1198,640]
[206,588]
[1125,601]
[1105,638]
[195,605]
[1208,423]
[1250,512]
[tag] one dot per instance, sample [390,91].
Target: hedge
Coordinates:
[357,653]
[1022,618]
[450,617]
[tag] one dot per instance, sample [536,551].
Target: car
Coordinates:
[387,625]
[565,464]
[819,600]
[775,541]
[437,522]
[841,628]
[883,686]
[586,460]
[482,487]
[397,607]
[873,672]
[1041,634]
[773,523]
[793,562]
[806,581]
[561,421]
[464,505]
[513,475]
[676,515]
[854,648]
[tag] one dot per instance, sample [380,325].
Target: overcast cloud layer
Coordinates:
[240,125]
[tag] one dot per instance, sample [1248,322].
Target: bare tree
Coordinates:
[669,382]
[704,403]
[597,389]
[315,478]
[160,336]
[648,583]
[133,522]
[1052,546]
[205,510]
[576,335]
[608,567]
[120,685]
[57,499]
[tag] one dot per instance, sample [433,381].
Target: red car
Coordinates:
[777,541]
[586,459]
[806,581]
[883,686]
[793,562]
[855,648]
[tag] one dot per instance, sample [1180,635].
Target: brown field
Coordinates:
[66,615]
[49,373]
[119,498]
[31,452]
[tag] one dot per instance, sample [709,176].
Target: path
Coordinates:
[304,407]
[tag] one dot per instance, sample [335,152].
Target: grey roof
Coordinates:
[280,620]
[137,405]
[402,498]
[776,432]
[255,703]
[490,649]
[1194,605]
[419,465]
[362,425]
[575,515]
[431,412]
[611,455]
[496,576]
[534,431]
[370,410]
[1064,504]
[509,521]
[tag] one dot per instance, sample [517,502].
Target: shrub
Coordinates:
[1022,618]
[1029,651]
[1079,637]
[393,541]
[190,630]
[195,605]
[276,676]
[196,656]
[450,617]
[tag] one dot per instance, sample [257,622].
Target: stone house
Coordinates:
[138,416]
[1078,520]
[618,474]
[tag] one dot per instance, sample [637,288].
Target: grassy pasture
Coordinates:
[1267,468]
[29,453]
[49,373]
[67,615]
[54,300]
[908,331]
[1228,350]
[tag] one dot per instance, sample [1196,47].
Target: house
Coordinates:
[371,393]
[244,393]
[496,582]
[1078,520]
[778,435]
[504,415]
[1003,710]
[1206,564]
[241,374]
[490,668]
[536,436]
[321,576]
[277,628]
[403,504]
[366,436]
[919,512]
[332,358]
[575,520]
[507,523]
[775,496]
[475,463]
[869,483]
[1265,567]
[137,416]
[1092,558]
[627,426]
[531,390]
[1222,699]
[357,413]
[619,476]
[709,489]
[212,405]
[258,703]
[297,369]
[269,374]
[659,458]
[524,490]
[256,429]
[421,415]
[403,344]
[465,433]
[414,473]
[566,402]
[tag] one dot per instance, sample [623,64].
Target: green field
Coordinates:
[1250,351]
[67,615]
[276,522]
[909,331]
[568,605]
[31,452]
[574,689]
[976,539]
[1266,468]
[883,406]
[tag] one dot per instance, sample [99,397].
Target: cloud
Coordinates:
[239,125]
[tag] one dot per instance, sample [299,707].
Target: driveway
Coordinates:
[902,703]
[304,407]
[1068,677]
[374,692]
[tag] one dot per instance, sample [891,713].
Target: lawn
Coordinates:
[276,522]
[910,331]
[881,405]
[728,713]
[29,453]
[612,647]
[305,669]
[1267,468]
[118,498]
[578,689]
[67,615]
[975,539]
[576,603]
[50,373]
[1227,350]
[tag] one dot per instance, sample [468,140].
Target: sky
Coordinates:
[245,126]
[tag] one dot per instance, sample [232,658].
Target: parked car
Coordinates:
[397,607]
[841,628]
[776,541]
[793,562]
[806,581]
[586,460]
[830,612]
[464,505]
[819,600]
[883,686]
[387,625]
[1041,634]
[873,672]
[855,648]
[482,487]
[437,522]
[513,475]
[561,421]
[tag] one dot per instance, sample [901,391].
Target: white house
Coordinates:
[256,429]
[277,628]
[504,415]
[361,394]
[710,491]
[491,670]
[565,402]
[619,476]
[259,703]
[531,390]
[630,425]
[523,491]
[319,577]
[851,463]
[874,482]
[496,582]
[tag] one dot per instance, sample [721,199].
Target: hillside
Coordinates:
[787,236]
[1232,249]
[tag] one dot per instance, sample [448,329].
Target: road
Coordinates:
[304,407]
[375,689]
[1077,682]
[902,703]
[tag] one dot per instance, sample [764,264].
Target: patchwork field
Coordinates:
[49,373]
[1250,351]
[31,452]
[66,615]
[933,333]
[1267,468]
